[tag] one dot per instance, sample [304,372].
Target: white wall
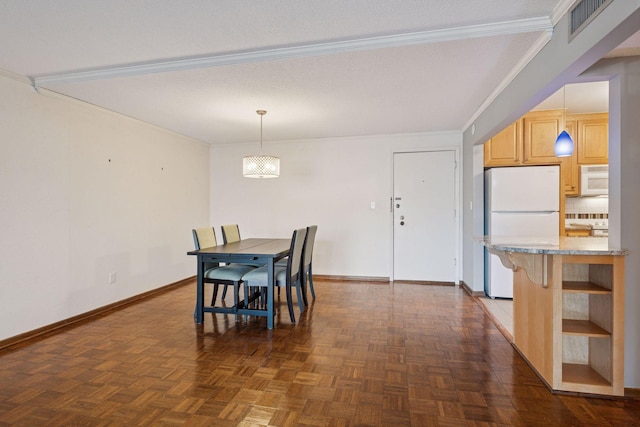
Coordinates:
[328,182]
[473,208]
[624,198]
[69,216]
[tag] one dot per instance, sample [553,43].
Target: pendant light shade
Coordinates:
[261,166]
[564,144]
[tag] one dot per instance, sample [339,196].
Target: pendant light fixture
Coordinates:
[564,144]
[261,166]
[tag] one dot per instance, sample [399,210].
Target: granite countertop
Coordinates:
[554,246]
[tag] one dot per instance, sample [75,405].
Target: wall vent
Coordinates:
[582,13]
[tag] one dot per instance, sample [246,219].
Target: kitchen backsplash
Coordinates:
[586,208]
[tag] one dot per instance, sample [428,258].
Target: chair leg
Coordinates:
[300,299]
[236,298]
[290,304]
[310,276]
[303,285]
[224,292]
[215,294]
[246,295]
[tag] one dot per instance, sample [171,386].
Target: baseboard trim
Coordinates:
[54,327]
[633,393]
[351,278]
[423,282]
[470,291]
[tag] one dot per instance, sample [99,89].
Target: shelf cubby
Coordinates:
[592,324]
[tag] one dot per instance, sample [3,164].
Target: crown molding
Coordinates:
[395,40]
[560,10]
[17,77]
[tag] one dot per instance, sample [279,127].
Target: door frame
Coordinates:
[457,203]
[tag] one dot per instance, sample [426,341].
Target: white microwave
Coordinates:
[594,180]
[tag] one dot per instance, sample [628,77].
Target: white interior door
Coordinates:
[424,216]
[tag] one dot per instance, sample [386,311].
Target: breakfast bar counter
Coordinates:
[568,309]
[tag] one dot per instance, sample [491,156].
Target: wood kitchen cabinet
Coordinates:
[541,128]
[580,232]
[505,149]
[592,138]
[528,141]
[569,168]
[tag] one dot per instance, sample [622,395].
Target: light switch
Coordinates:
[373,205]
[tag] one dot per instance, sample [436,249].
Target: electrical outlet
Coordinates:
[112,278]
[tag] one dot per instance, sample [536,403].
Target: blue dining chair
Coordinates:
[227,275]
[284,276]
[230,233]
[306,263]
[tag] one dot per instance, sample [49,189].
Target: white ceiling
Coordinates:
[321,68]
[579,98]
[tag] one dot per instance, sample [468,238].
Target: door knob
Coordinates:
[397,205]
[401,216]
[401,222]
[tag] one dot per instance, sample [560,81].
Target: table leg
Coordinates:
[200,292]
[270,290]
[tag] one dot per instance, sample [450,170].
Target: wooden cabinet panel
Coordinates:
[570,326]
[530,141]
[505,149]
[541,128]
[593,139]
[578,233]
[569,168]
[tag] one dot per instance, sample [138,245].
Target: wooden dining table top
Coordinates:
[255,247]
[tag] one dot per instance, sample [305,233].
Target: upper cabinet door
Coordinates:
[541,128]
[593,139]
[569,165]
[505,149]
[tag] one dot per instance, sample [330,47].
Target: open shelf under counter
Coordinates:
[568,310]
[584,288]
[583,328]
[576,377]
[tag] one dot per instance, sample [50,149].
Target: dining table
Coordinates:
[263,251]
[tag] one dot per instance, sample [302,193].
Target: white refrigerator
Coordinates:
[523,203]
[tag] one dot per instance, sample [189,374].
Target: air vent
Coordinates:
[582,13]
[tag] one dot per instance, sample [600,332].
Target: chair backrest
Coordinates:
[307,250]
[204,237]
[230,233]
[295,253]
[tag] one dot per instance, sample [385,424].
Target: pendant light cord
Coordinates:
[564,108]
[261,113]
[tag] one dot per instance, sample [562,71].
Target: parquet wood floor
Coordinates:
[362,355]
